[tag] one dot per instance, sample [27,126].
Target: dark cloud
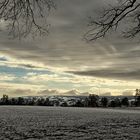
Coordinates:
[111,74]
[111,57]
[3,59]
[29,66]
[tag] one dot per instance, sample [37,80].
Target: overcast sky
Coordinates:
[63,61]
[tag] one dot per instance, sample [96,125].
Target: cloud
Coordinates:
[22,92]
[61,48]
[59,92]
[50,92]
[128,93]
[72,93]
[111,73]
[106,94]
[7,77]
[57,77]
[11,92]
[64,61]
[2,58]
[13,89]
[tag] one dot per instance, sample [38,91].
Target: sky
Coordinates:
[63,63]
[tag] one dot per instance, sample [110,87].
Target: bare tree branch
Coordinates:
[25,16]
[112,17]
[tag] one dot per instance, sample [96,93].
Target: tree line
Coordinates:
[91,101]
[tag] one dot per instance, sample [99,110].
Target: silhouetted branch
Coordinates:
[112,17]
[25,16]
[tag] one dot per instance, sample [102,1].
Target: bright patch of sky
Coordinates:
[63,62]
[49,80]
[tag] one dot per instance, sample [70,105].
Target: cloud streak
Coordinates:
[63,60]
[111,74]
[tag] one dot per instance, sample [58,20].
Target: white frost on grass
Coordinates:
[34,122]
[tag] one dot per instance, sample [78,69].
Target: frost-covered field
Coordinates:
[52,123]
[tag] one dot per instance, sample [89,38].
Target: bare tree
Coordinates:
[137,97]
[127,11]
[23,17]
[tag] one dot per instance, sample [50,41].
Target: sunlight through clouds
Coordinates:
[63,61]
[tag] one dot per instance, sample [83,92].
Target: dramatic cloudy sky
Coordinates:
[63,63]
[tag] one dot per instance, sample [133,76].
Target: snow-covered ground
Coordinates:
[52,123]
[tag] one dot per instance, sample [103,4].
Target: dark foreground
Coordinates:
[52,123]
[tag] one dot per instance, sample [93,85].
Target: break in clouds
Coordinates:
[64,50]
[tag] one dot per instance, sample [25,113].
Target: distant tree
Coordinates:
[93,100]
[31,101]
[41,102]
[138,101]
[137,97]
[20,101]
[115,103]
[137,92]
[86,102]
[118,102]
[125,101]
[47,102]
[79,104]
[104,101]
[112,104]
[64,104]
[13,101]
[5,99]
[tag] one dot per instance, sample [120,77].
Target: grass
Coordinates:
[52,123]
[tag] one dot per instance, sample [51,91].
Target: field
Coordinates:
[52,123]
